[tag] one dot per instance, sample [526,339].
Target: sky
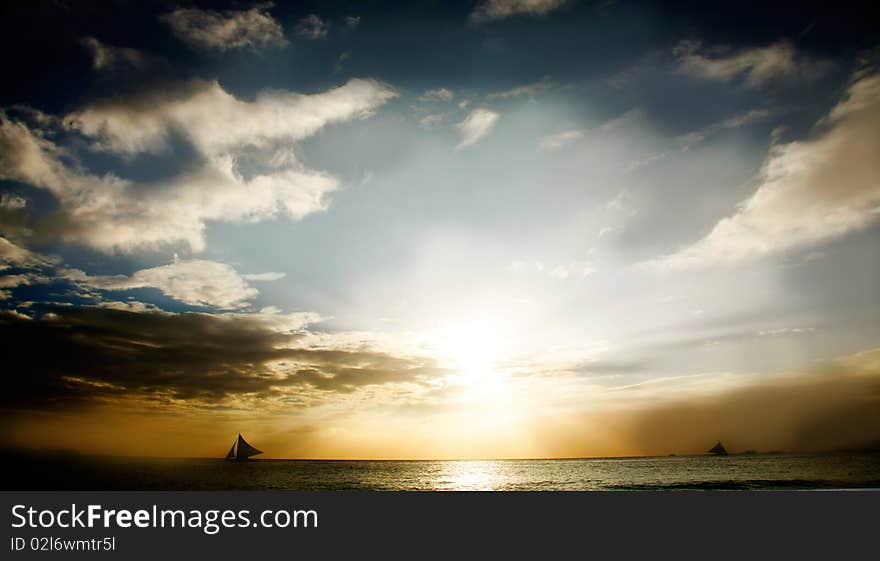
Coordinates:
[484,229]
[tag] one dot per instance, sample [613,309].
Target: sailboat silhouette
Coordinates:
[718,449]
[241,450]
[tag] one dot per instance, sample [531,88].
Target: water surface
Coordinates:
[758,471]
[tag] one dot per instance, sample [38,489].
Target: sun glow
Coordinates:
[476,351]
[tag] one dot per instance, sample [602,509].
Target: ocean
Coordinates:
[735,472]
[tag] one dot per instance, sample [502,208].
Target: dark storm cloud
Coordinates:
[72,355]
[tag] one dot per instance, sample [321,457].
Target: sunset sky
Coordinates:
[495,228]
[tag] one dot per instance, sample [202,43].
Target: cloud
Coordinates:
[562,272]
[352,22]
[432,120]
[311,27]
[215,121]
[476,125]
[107,56]
[264,276]
[195,282]
[12,202]
[528,90]
[735,122]
[22,267]
[832,408]
[231,29]
[561,140]
[15,256]
[100,354]
[810,191]
[756,65]
[111,213]
[576,269]
[490,10]
[337,66]
[439,94]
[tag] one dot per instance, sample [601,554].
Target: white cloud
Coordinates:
[476,125]
[133,306]
[112,213]
[756,65]
[215,121]
[264,276]
[106,56]
[810,191]
[33,266]
[195,282]
[438,94]
[231,29]
[488,10]
[311,27]
[12,255]
[21,279]
[561,140]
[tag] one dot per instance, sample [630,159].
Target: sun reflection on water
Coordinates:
[469,475]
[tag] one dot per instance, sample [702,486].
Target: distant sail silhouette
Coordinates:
[718,450]
[241,450]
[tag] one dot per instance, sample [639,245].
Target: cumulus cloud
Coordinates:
[756,65]
[182,358]
[112,213]
[195,282]
[489,10]
[810,191]
[561,140]
[476,125]
[107,56]
[231,29]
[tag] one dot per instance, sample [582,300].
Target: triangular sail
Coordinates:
[245,450]
[231,454]
[718,449]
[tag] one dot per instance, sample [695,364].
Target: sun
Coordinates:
[474,350]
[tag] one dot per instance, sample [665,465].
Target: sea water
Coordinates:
[756,471]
